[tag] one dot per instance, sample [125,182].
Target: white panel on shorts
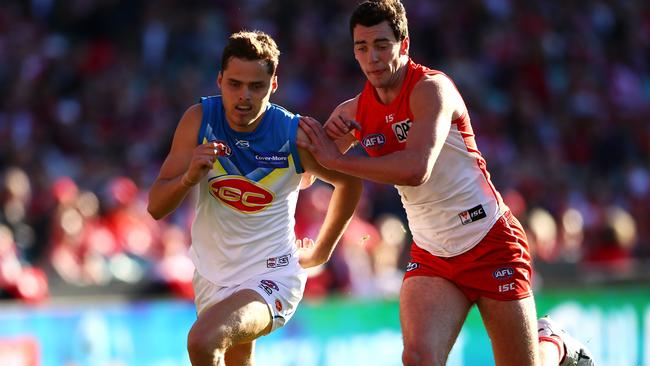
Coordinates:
[281,289]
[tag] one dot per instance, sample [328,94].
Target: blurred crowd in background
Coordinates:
[91,92]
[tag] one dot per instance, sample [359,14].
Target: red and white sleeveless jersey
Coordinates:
[456,207]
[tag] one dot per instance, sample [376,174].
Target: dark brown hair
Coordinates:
[251,45]
[373,12]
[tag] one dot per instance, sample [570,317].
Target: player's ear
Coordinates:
[404,47]
[274,83]
[219,79]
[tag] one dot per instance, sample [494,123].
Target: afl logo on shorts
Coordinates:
[240,193]
[503,273]
[374,141]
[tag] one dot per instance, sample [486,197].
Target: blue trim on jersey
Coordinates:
[206,108]
[254,154]
[229,167]
[293,137]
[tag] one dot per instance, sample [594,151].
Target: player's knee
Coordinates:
[422,354]
[202,345]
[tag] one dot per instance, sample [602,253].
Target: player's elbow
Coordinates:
[413,170]
[156,212]
[322,259]
[415,176]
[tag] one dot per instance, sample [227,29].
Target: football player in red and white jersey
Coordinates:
[467,247]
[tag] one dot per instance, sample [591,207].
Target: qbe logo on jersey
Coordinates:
[401,129]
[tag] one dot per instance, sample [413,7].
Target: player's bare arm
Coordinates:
[347,191]
[339,127]
[185,165]
[433,102]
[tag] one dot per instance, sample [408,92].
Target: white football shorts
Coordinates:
[282,289]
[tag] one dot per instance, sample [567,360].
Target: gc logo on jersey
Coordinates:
[374,141]
[240,193]
[401,129]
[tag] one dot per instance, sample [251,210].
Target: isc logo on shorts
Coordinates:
[401,129]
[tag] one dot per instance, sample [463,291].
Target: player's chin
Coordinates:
[243,120]
[375,82]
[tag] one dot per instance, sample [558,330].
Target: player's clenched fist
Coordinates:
[203,159]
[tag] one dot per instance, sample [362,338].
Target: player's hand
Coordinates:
[338,126]
[203,158]
[320,146]
[306,253]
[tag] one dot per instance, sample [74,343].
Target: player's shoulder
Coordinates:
[279,111]
[193,114]
[196,108]
[348,107]
[206,104]
[211,102]
[439,82]
[435,87]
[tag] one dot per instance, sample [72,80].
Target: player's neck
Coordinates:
[250,127]
[391,90]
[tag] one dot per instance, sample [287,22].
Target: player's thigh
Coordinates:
[239,318]
[512,327]
[432,312]
[240,355]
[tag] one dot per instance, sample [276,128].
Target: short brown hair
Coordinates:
[373,12]
[251,45]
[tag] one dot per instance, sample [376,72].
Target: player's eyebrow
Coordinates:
[383,39]
[232,79]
